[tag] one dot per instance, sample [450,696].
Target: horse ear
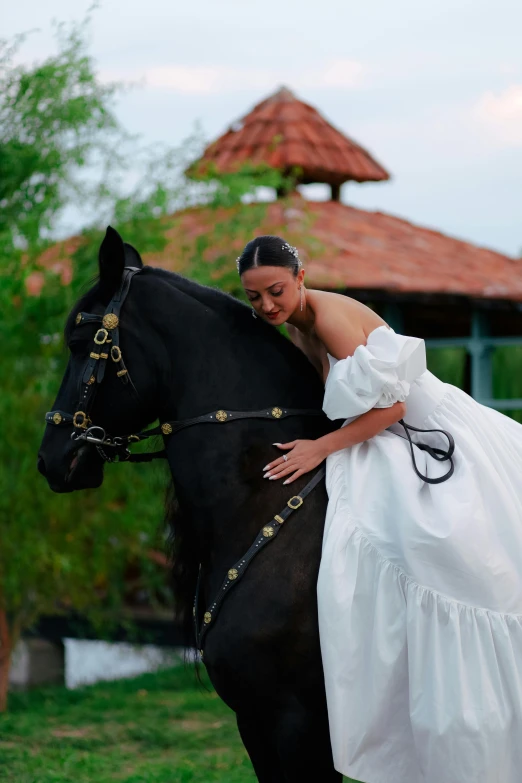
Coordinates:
[132,257]
[111,260]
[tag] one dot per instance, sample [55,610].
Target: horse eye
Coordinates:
[78,344]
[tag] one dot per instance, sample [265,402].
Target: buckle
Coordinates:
[101,336]
[115,353]
[83,422]
[299,502]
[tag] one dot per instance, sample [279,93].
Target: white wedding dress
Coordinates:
[420,585]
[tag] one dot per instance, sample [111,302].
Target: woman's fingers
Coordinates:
[285,445]
[279,460]
[282,470]
[276,463]
[294,477]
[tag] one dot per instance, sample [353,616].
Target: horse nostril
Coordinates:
[41,465]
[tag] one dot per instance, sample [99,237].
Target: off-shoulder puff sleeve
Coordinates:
[378,374]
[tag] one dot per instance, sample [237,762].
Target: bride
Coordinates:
[420,586]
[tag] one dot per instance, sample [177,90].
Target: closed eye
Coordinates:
[272,293]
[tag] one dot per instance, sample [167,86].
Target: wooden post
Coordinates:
[336,192]
[393,316]
[5,658]
[480,354]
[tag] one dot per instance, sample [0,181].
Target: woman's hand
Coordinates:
[304,455]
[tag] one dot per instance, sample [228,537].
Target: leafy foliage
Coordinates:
[54,118]
[62,552]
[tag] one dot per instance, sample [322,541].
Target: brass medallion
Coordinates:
[277,413]
[221,415]
[91,380]
[207,617]
[233,573]
[166,429]
[57,418]
[110,321]
[268,531]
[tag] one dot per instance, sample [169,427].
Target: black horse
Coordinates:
[189,350]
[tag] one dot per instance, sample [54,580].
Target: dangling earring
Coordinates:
[254,313]
[301,295]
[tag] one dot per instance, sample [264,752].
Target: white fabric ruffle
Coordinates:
[378,374]
[420,593]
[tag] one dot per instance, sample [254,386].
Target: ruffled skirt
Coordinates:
[420,604]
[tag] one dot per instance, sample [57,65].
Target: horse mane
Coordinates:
[237,313]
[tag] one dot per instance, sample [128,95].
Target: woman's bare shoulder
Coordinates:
[342,323]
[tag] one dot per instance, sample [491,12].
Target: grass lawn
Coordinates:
[157,728]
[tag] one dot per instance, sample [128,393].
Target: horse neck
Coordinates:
[221,358]
[218,357]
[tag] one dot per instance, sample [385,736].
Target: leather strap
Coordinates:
[223,416]
[439,454]
[237,571]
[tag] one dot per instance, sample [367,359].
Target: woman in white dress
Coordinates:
[420,586]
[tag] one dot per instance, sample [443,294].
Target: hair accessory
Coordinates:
[237,262]
[294,252]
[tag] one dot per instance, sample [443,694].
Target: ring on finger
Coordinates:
[285,457]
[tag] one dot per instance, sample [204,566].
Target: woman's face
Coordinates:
[273,291]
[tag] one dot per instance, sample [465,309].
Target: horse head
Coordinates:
[147,344]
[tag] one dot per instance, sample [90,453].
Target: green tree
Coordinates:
[62,552]
[55,117]
[71,552]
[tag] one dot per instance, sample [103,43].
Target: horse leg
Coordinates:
[289,746]
[304,749]
[259,742]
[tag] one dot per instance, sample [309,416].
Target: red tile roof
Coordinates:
[349,248]
[341,247]
[287,134]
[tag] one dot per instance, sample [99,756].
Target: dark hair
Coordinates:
[269,251]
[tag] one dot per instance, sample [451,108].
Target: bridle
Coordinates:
[106,345]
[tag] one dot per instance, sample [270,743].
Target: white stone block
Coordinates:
[87,661]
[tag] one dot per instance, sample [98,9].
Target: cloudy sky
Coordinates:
[433,89]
